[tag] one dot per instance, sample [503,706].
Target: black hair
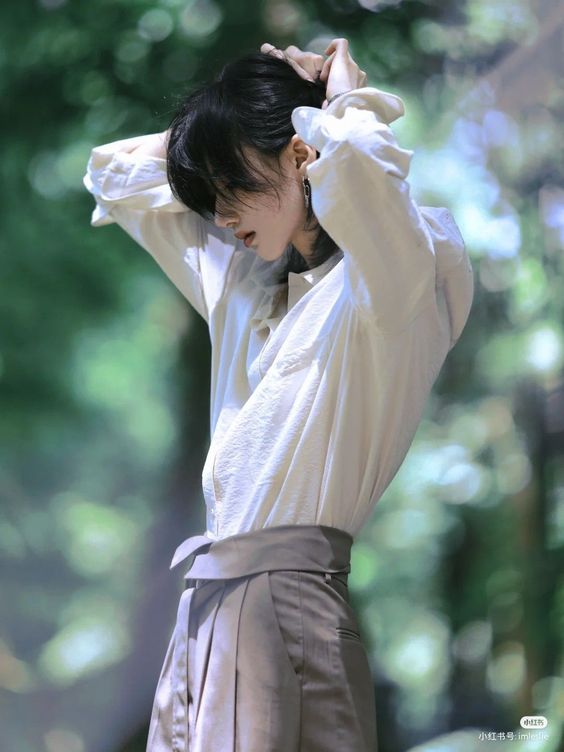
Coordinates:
[248,104]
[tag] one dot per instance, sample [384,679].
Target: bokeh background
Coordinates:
[104,373]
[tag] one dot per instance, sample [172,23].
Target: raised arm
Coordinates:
[128,181]
[361,197]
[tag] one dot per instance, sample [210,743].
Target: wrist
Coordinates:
[335,96]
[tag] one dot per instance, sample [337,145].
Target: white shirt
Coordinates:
[315,395]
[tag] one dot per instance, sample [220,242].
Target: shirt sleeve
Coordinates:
[393,249]
[132,191]
[454,278]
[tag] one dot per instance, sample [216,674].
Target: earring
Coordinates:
[307,192]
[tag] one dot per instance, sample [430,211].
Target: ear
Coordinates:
[301,154]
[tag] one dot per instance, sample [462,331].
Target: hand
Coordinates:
[340,72]
[307,64]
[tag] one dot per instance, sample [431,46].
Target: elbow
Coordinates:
[459,295]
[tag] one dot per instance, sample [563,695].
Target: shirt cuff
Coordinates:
[116,176]
[316,126]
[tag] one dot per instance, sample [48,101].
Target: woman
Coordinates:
[278,204]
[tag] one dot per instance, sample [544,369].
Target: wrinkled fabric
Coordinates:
[318,385]
[266,654]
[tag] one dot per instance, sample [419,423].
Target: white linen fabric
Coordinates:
[317,386]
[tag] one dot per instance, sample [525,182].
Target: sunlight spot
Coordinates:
[85,646]
[544,349]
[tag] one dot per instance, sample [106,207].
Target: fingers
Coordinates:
[344,73]
[275,52]
[340,45]
[272,50]
[338,48]
[340,71]
[310,61]
[324,75]
[307,64]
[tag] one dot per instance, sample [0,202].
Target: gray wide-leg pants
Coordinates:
[266,654]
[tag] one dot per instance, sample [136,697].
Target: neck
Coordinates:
[304,242]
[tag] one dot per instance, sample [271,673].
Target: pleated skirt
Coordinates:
[266,653]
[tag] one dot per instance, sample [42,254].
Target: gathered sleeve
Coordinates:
[396,254]
[132,191]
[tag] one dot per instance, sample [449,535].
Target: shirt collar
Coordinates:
[312,276]
[271,308]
